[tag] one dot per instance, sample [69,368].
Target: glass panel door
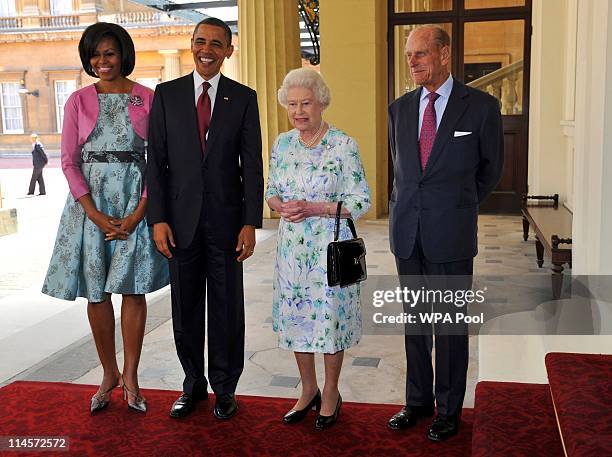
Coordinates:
[402,79]
[481,4]
[421,6]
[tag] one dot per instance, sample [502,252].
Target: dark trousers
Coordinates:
[452,350]
[200,275]
[37,176]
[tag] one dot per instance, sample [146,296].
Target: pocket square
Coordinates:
[460,133]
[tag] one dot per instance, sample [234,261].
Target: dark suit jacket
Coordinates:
[461,171]
[39,158]
[227,181]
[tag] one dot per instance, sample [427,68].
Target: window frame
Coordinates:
[59,110]
[6,130]
[56,7]
[9,12]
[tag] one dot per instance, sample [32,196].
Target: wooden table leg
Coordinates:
[557,280]
[539,252]
[525,228]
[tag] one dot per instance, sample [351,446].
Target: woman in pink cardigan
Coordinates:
[103,243]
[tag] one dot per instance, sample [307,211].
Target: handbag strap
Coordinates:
[350,222]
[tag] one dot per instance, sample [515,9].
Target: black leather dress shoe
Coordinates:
[296,415]
[226,406]
[443,428]
[408,416]
[185,404]
[324,422]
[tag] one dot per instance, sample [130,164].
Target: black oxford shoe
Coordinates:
[443,428]
[409,415]
[185,404]
[226,406]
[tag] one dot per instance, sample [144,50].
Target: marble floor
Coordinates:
[373,371]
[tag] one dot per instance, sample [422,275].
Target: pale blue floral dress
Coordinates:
[308,315]
[83,264]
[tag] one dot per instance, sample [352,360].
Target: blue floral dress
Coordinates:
[309,315]
[83,264]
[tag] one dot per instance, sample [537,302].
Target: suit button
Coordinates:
[420,185]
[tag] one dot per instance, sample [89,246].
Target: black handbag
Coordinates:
[346,263]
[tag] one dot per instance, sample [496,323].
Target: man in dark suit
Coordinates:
[205,191]
[39,160]
[446,142]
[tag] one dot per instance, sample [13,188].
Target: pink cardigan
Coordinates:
[80,116]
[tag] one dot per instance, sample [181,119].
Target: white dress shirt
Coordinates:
[444,92]
[212,90]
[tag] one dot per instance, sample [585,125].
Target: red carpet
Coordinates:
[514,419]
[32,408]
[582,393]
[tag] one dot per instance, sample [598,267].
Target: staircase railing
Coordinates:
[504,84]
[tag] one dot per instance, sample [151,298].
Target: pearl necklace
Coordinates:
[315,138]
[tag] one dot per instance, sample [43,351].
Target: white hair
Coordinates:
[35,135]
[309,79]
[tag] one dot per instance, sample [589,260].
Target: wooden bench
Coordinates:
[553,230]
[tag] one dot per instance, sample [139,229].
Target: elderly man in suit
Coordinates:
[446,142]
[205,187]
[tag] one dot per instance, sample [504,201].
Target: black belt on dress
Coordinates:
[113,156]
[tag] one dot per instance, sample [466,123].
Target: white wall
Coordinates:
[593,142]
[547,145]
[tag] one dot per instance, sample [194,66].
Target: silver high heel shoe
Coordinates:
[101,400]
[138,403]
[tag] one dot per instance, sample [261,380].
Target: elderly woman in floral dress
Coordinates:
[312,168]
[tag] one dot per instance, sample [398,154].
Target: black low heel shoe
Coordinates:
[324,422]
[294,416]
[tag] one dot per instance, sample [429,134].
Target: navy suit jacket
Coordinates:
[39,158]
[461,171]
[227,181]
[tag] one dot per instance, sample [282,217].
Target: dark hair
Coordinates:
[97,32]
[217,23]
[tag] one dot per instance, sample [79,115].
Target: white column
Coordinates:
[592,220]
[569,112]
[547,161]
[172,64]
